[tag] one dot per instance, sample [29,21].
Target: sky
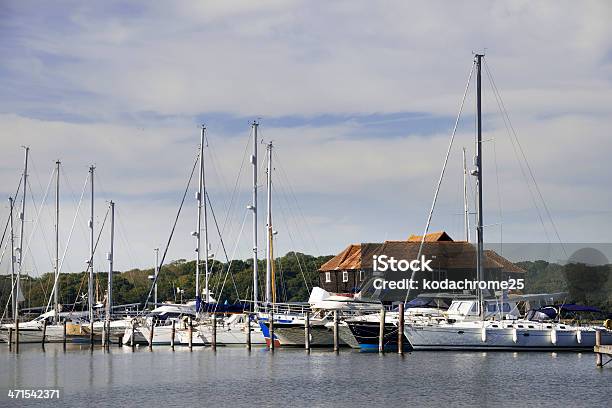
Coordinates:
[358,98]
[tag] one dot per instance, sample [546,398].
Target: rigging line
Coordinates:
[178,213]
[221,240]
[76,214]
[284,218]
[514,148]
[8,219]
[235,190]
[531,173]
[246,213]
[36,220]
[74,202]
[294,217]
[450,145]
[123,235]
[499,200]
[297,203]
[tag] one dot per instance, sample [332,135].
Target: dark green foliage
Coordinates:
[133,286]
[588,285]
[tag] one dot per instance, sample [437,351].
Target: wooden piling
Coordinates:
[336,338]
[151,335]
[16,335]
[10,339]
[190,331]
[381,332]
[173,334]
[104,334]
[44,332]
[248,333]
[91,333]
[272,330]
[400,330]
[307,332]
[598,356]
[64,332]
[214,331]
[133,335]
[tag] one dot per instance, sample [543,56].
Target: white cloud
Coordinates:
[125,86]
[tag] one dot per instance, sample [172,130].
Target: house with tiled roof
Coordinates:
[454,260]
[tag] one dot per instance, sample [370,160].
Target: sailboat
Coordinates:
[466,325]
[24,332]
[235,328]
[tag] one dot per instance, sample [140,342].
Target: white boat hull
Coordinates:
[476,336]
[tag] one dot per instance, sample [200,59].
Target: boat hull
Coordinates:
[450,337]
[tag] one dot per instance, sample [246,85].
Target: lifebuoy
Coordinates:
[608,324]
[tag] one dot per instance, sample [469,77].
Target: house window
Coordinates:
[345,276]
[327,277]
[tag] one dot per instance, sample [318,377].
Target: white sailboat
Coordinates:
[8,332]
[468,326]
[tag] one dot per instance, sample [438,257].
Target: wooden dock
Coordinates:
[601,350]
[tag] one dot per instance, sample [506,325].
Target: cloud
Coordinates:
[358,99]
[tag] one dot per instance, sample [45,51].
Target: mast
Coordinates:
[17,293]
[56,310]
[90,288]
[156,273]
[466,208]
[253,207]
[203,203]
[13,302]
[109,290]
[478,162]
[199,223]
[269,228]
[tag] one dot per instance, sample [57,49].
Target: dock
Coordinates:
[601,350]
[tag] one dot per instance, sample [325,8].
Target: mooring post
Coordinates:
[132,335]
[248,334]
[381,332]
[44,332]
[173,334]
[272,330]
[598,356]
[151,335]
[16,335]
[104,334]
[108,334]
[64,333]
[336,339]
[400,330]
[214,331]
[307,332]
[190,332]
[10,338]
[91,333]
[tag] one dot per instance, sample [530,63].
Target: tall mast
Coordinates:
[57,287]
[466,207]
[253,208]
[269,228]
[203,203]
[17,293]
[109,290]
[90,288]
[13,302]
[479,227]
[201,197]
[155,279]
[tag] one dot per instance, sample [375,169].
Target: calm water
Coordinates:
[234,377]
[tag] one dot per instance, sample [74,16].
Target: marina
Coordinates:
[289,204]
[303,379]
